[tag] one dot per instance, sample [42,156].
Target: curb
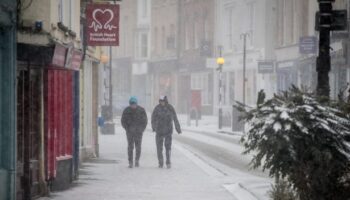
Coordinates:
[240,192]
[210,132]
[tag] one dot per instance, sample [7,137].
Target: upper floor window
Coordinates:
[60,10]
[251,7]
[155,39]
[163,38]
[66,10]
[144,8]
[229,32]
[144,45]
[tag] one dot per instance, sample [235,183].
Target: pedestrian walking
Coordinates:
[163,117]
[134,121]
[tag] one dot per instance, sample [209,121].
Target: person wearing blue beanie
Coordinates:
[134,121]
[133,100]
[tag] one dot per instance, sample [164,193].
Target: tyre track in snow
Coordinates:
[220,149]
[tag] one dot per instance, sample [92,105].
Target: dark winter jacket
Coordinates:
[134,121]
[163,118]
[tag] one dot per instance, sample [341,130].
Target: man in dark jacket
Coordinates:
[134,121]
[163,117]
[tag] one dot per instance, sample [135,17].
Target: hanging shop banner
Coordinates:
[59,56]
[102,24]
[77,56]
[69,56]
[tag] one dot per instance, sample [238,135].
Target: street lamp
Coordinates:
[244,37]
[220,61]
[104,59]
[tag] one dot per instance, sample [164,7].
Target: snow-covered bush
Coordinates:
[296,137]
[282,190]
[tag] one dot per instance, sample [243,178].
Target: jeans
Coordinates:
[165,140]
[134,140]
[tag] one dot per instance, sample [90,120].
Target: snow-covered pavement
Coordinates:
[208,124]
[205,167]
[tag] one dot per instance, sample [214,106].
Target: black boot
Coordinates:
[137,164]
[131,165]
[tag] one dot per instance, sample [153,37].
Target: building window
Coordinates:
[144,45]
[163,38]
[206,29]
[125,35]
[251,20]
[187,36]
[144,8]
[155,40]
[171,44]
[60,10]
[196,36]
[70,18]
[229,28]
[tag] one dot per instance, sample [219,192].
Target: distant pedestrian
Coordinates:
[134,121]
[163,117]
[100,121]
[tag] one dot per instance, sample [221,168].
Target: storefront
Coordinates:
[31,59]
[60,114]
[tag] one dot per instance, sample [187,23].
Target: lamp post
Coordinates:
[220,61]
[244,37]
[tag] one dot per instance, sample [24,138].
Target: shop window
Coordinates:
[201,82]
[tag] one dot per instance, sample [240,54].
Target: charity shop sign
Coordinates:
[102,27]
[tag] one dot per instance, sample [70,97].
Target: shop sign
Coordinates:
[266,67]
[102,24]
[59,56]
[76,60]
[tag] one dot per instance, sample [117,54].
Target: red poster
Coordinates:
[102,24]
[196,99]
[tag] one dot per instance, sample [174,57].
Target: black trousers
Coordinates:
[163,140]
[134,141]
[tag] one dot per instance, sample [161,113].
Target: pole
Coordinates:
[110,127]
[244,64]
[110,81]
[220,91]
[324,59]
[244,36]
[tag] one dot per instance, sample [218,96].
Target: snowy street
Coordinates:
[204,167]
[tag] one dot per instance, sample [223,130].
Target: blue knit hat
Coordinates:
[133,100]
